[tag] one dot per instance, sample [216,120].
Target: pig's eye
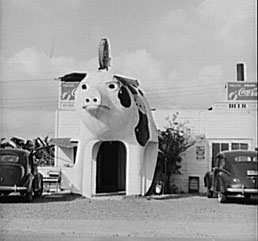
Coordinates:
[113,85]
[84,86]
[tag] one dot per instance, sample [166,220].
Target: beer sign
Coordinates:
[242,91]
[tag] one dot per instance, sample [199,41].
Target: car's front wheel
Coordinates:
[222,197]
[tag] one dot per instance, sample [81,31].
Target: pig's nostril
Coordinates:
[95,100]
[87,100]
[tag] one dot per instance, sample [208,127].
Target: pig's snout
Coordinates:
[92,99]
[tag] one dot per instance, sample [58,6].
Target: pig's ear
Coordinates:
[73,77]
[132,84]
[127,81]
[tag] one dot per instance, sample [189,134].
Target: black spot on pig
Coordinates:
[142,129]
[124,97]
[131,87]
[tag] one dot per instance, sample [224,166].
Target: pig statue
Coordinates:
[112,108]
[118,140]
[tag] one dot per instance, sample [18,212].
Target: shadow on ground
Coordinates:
[242,201]
[172,196]
[45,198]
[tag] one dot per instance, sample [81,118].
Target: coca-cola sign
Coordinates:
[242,91]
[67,94]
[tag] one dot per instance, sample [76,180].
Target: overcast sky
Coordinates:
[181,51]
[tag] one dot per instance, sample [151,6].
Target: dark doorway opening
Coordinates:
[111,167]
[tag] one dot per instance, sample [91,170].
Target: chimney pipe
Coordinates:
[240,72]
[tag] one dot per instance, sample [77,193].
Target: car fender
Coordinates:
[222,174]
[208,180]
[221,183]
[37,181]
[29,182]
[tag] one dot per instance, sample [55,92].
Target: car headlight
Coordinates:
[236,180]
[236,183]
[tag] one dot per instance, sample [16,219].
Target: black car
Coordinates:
[19,175]
[235,174]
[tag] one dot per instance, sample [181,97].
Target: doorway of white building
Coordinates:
[111,167]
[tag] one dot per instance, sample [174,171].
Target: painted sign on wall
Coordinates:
[200,152]
[67,94]
[246,91]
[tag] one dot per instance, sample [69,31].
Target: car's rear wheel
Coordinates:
[39,191]
[28,196]
[209,193]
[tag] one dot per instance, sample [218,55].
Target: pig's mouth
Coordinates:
[95,107]
[95,110]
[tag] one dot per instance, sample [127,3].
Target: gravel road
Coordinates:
[173,217]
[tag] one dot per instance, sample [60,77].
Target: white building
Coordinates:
[227,126]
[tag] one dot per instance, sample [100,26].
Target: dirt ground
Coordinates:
[173,217]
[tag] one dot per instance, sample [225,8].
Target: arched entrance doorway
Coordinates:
[111,167]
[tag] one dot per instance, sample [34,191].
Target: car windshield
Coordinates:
[9,158]
[245,159]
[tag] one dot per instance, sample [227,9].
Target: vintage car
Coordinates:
[19,175]
[234,174]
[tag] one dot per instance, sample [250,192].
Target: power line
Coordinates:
[26,80]
[189,88]
[178,93]
[31,104]
[43,98]
[50,105]
[34,97]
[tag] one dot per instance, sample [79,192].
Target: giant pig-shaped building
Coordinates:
[118,141]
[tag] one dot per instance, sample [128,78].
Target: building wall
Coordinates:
[194,164]
[219,125]
[224,123]
[67,126]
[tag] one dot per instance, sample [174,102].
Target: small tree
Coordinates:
[174,140]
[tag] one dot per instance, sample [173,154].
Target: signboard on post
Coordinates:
[67,88]
[67,94]
[242,91]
